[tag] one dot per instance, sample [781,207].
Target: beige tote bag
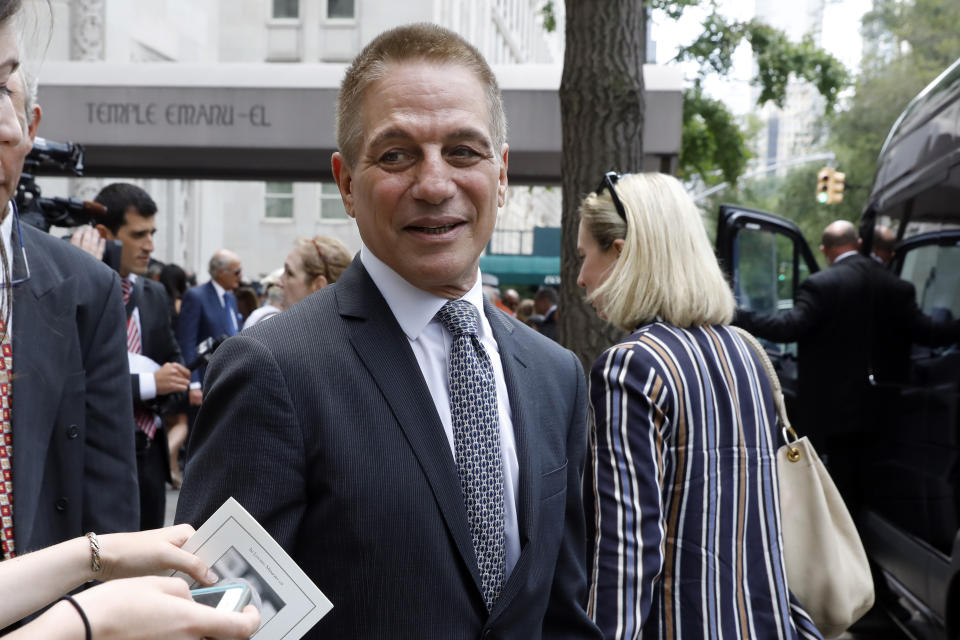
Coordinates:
[827,568]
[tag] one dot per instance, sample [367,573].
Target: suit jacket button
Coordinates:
[73,431]
[62,504]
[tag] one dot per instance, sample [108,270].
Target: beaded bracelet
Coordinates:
[86,623]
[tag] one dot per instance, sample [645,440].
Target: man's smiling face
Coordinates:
[427,184]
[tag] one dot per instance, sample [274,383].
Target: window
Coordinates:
[766,265]
[286,9]
[341,9]
[279,201]
[331,205]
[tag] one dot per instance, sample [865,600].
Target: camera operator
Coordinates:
[157,388]
[68,410]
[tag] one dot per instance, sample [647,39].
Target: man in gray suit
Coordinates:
[73,467]
[416,450]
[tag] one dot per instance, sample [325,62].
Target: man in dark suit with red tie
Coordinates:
[417,451]
[158,377]
[73,467]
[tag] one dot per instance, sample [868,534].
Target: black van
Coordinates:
[911,526]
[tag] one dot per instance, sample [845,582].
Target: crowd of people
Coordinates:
[413,437]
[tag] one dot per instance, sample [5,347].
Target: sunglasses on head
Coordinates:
[610,179]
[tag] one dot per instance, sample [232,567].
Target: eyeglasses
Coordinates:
[23,252]
[237,272]
[610,178]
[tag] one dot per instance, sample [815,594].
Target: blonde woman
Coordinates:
[684,444]
[312,264]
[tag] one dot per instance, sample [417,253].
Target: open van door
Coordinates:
[766,258]
[911,526]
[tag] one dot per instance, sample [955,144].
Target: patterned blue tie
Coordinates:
[476,438]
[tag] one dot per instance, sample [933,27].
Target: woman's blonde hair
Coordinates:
[323,256]
[667,269]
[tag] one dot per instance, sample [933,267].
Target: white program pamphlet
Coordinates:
[235,546]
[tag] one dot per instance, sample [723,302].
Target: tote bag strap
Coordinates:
[789,435]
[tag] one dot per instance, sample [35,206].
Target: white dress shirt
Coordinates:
[148,382]
[414,310]
[6,231]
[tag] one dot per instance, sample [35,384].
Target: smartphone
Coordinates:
[232,596]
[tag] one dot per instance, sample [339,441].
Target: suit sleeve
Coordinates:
[628,464]
[188,328]
[923,329]
[247,434]
[806,315]
[566,615]
[110,495]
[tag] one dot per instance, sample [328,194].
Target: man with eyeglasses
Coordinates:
[209,311]
[65,392]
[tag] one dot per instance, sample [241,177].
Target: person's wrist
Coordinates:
[195,385]
[65,609]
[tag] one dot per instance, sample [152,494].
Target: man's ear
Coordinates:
[35,125]
[104,232]
[344,180]
[502,187]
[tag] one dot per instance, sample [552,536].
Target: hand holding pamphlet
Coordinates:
[236,547]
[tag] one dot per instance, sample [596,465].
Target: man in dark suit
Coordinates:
[851,321]
[158,378]
[73,467]
[545,304]
[416,450]
[209,311]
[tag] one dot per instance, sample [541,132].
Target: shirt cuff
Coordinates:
[148,386]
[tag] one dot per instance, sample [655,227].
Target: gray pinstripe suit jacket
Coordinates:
[320,423]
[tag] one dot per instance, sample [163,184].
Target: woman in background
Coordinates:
[313,264]
[684,447]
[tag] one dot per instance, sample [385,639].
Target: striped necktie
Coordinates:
[146,420]
[6,443]
[476,438]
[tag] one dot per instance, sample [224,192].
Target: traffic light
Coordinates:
[830,184]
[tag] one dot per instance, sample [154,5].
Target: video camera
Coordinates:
[205,351]
[53,158]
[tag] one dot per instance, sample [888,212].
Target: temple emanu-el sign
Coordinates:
[276,121]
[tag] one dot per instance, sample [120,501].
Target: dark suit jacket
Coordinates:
[320,423]
[202,317]
[841,318]
[73,454]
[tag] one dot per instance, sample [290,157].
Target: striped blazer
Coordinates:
[687,525]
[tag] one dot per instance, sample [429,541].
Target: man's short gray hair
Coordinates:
[219,262]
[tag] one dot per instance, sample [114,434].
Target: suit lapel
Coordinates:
[385,352]
[525,413]
[42,309]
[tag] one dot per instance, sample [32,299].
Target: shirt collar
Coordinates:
[6,232]
[220,290]
[844,256]
[412,307]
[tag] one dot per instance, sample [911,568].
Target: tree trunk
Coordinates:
[601,105]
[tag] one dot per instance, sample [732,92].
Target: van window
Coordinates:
[764,272]
[934,271]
